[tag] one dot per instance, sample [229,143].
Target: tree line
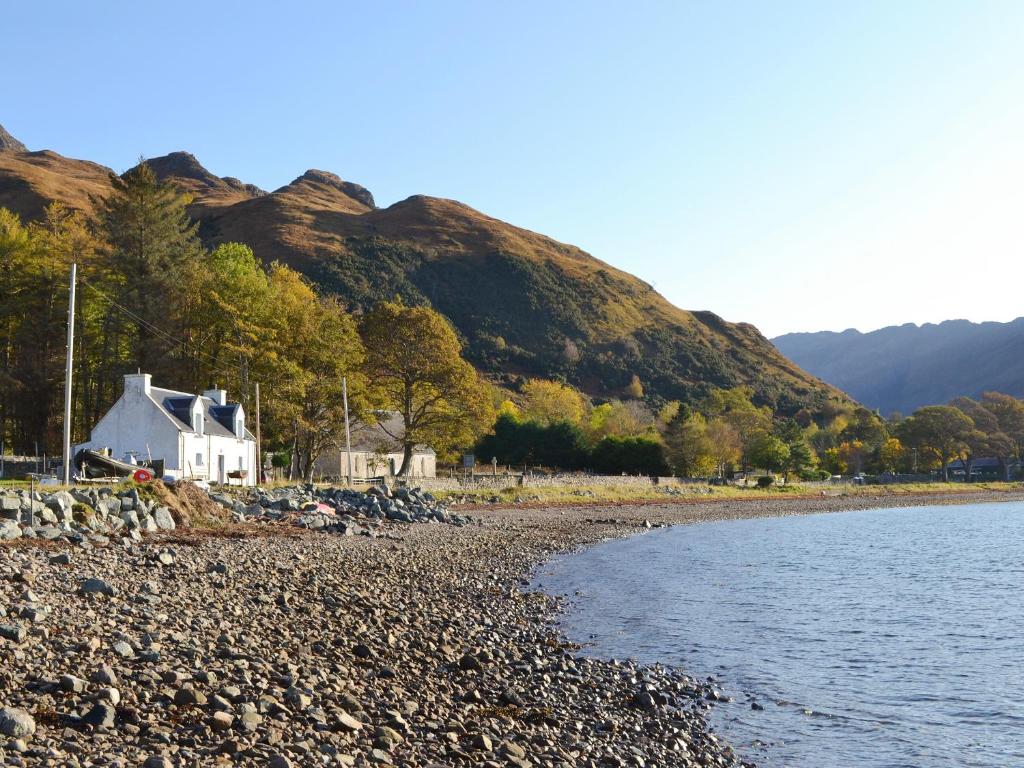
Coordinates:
[152,298]
[551,424]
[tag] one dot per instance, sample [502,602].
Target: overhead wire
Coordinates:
[219,366]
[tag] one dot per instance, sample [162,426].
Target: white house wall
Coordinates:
[367,464]
[136,424]
[238,454]
[194,446]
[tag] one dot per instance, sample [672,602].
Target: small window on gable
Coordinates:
[199,459]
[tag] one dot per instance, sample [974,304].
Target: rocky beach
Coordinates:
[419,643]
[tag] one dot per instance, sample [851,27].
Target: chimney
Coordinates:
[137,382]
[219,396]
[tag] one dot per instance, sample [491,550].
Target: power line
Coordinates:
[219,366]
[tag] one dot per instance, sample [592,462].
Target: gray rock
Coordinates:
[9,529]
[110,694]
[163,518]
[16,723]
[482,742]
[187,697]
[221,721]
[48,516]
[13,632]
[72,684]
[109,506]
[100,716]
[104,675]
[124,650]
[349,723]
[96,587]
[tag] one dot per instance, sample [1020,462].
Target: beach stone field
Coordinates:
[304,645]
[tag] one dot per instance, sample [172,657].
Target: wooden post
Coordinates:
[259,458]
[348,433]
[67,376]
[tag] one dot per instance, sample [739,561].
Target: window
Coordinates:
[199,459]
[241,463]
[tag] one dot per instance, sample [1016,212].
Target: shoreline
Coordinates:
[319,649]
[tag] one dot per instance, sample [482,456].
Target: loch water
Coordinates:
[878,638]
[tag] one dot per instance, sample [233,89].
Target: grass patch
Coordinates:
[625,493]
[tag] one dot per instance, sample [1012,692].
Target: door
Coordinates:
[220,469]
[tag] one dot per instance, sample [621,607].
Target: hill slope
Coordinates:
[901,368]
[524,303]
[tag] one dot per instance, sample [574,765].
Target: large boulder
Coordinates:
[60,502]
[16,723]
[163,518]
[130,518]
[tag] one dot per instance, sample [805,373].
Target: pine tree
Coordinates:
[153,243]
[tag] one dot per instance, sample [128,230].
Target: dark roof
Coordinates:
[984,462]
[180,408]
[375,438]
[217,419]
[225,415]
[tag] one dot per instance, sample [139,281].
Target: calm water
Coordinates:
[889,637]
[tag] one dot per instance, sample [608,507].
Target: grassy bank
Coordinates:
[622,494]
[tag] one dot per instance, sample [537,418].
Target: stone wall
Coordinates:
[485,481]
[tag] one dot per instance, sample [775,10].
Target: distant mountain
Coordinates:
[525,305]
[901,368]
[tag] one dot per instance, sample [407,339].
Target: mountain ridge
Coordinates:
[902,367]
[524,303]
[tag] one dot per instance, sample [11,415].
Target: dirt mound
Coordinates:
[190,506]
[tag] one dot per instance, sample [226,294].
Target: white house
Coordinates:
[376,453]
[200,437]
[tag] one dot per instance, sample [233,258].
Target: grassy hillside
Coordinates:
[525,304]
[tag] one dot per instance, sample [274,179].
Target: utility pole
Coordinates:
[348,433]
[67,375]
[259,458]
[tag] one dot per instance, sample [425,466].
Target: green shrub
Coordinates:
[765,481]
[515,442]
[629,455]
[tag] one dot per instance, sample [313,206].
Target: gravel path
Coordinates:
[258,648]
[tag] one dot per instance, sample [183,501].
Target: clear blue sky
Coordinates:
[797,165]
